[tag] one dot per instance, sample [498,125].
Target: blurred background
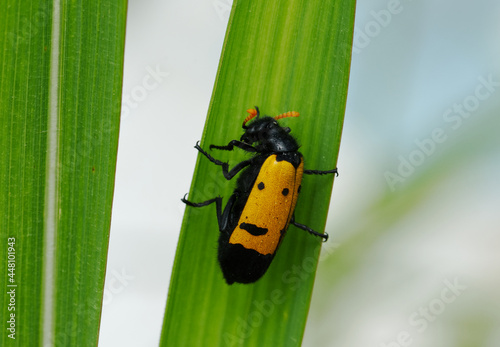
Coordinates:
[413,255]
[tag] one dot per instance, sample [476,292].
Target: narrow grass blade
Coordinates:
[61,72]
[280,56]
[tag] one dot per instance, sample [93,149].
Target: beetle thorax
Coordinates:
[269,136]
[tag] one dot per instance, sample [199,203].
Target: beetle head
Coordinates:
[267,132]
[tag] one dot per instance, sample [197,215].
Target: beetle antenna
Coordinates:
[252,114]
[287,114]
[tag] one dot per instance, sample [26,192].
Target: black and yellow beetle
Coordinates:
[262,205]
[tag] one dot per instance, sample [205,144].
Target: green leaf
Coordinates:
[280,56]
[61,74]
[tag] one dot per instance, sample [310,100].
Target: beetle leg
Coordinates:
[319,172]
[228,174]
[309,230]
[199,204]
[222,217]
[218,205]
[237,168]
[235,143]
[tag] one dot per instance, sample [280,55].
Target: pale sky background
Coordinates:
[430,70]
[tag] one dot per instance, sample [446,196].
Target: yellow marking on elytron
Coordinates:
[269,208]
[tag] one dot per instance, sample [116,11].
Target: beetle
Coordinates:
[258,213]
